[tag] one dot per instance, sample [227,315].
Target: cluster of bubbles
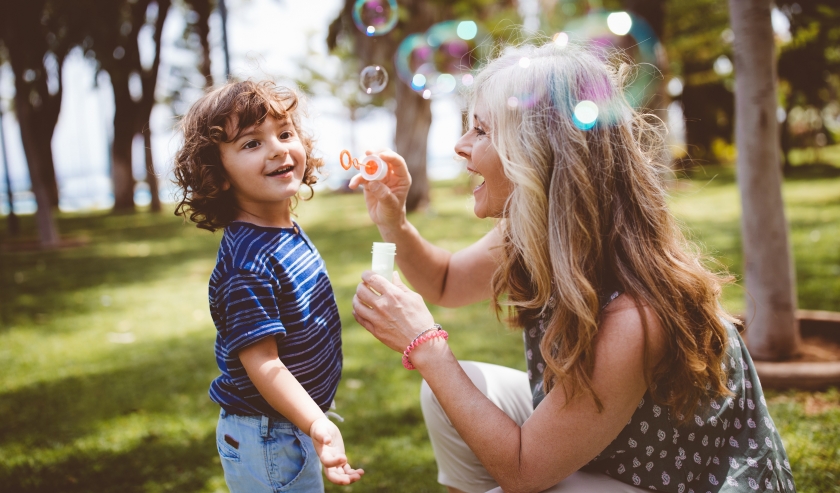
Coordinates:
[440,60]
[375,17]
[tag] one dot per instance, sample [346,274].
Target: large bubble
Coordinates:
[375,17]
[438,61]
[623,31]
[373,79]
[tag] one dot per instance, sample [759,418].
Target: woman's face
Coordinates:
[483,160]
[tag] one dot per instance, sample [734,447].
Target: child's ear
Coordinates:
[225,185]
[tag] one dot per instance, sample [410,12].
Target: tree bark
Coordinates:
[772,327]
[414,118]
[32,146]
[125,115]
[202,28]
[151,176]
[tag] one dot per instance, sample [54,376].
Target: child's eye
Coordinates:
[251,144]
[287,134]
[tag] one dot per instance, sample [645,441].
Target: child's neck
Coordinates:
[275,216]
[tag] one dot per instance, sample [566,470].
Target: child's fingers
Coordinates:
[332,459]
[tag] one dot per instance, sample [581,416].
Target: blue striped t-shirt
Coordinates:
[271,282]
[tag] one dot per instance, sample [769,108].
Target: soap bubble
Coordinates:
[373,79]
[627,33]
[375,17]
[439,60]
[585,115]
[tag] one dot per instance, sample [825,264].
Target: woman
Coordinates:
[636,374]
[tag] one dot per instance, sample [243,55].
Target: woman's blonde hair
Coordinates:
[588,215]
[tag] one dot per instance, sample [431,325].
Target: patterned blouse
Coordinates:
[731,445]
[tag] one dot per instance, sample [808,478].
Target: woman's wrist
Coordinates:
[392,231]
[429,353]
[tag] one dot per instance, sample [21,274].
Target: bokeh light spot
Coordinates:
[373,79]
[445,83]
[427,94]
[561,39]
[524,62]
[467,79]
[467,30]
[619,23]
[375,17]
[675,87]
[418,81]
[513,102]
[585,115]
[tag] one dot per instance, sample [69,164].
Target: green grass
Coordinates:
[106,349]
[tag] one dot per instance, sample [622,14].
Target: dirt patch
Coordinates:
[817,349]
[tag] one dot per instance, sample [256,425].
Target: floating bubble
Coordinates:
[513,102]
[467,30]
[442,55]
[630,34]
[585,115]
[524,62]
[619,23]
[373,79]
[375,17]
[427,94]
[467,79]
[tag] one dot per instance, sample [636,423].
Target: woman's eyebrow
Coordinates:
[476,118]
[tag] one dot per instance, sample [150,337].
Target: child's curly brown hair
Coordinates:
[199,173]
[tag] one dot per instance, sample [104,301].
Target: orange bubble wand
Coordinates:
[371,167]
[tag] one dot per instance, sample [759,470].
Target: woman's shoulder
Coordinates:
[633,320]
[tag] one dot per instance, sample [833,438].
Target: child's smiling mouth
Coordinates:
[282,170]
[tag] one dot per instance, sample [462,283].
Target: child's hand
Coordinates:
[330,448]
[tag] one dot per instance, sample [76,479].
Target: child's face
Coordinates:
[264,165]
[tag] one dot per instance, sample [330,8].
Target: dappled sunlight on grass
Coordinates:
[107,348]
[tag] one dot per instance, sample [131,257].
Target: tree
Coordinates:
[36,58]
[413,113]
[114,41]
[201,28]
[771,303]
[814,30]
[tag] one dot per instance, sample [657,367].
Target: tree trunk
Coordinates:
[151,177]
[124,131]
[32,146]
[414,118]
[202,8]
[772,327]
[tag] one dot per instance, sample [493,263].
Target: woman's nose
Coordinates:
[463,146]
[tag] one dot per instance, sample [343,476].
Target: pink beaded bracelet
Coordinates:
[435,331]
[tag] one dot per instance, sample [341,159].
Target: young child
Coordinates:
[278,344]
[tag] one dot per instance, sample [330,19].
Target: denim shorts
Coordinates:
[261,454]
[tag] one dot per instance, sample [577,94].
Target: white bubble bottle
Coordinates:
[373,168]
[383,259]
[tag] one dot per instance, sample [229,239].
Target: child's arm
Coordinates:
[285,394]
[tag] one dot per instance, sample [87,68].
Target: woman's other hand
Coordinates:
[395,316]
[385,199]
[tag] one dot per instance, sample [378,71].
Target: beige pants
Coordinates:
[458,466]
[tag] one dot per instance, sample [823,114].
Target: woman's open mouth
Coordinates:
[476,180]
[282,171]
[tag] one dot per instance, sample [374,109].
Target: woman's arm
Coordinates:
[285,394]
[560,436]
[441,277]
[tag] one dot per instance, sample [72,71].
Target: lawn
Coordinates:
[106,348]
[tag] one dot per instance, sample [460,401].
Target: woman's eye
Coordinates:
[479,131]
[251,144]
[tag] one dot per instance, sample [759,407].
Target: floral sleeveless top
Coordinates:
[731,445]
